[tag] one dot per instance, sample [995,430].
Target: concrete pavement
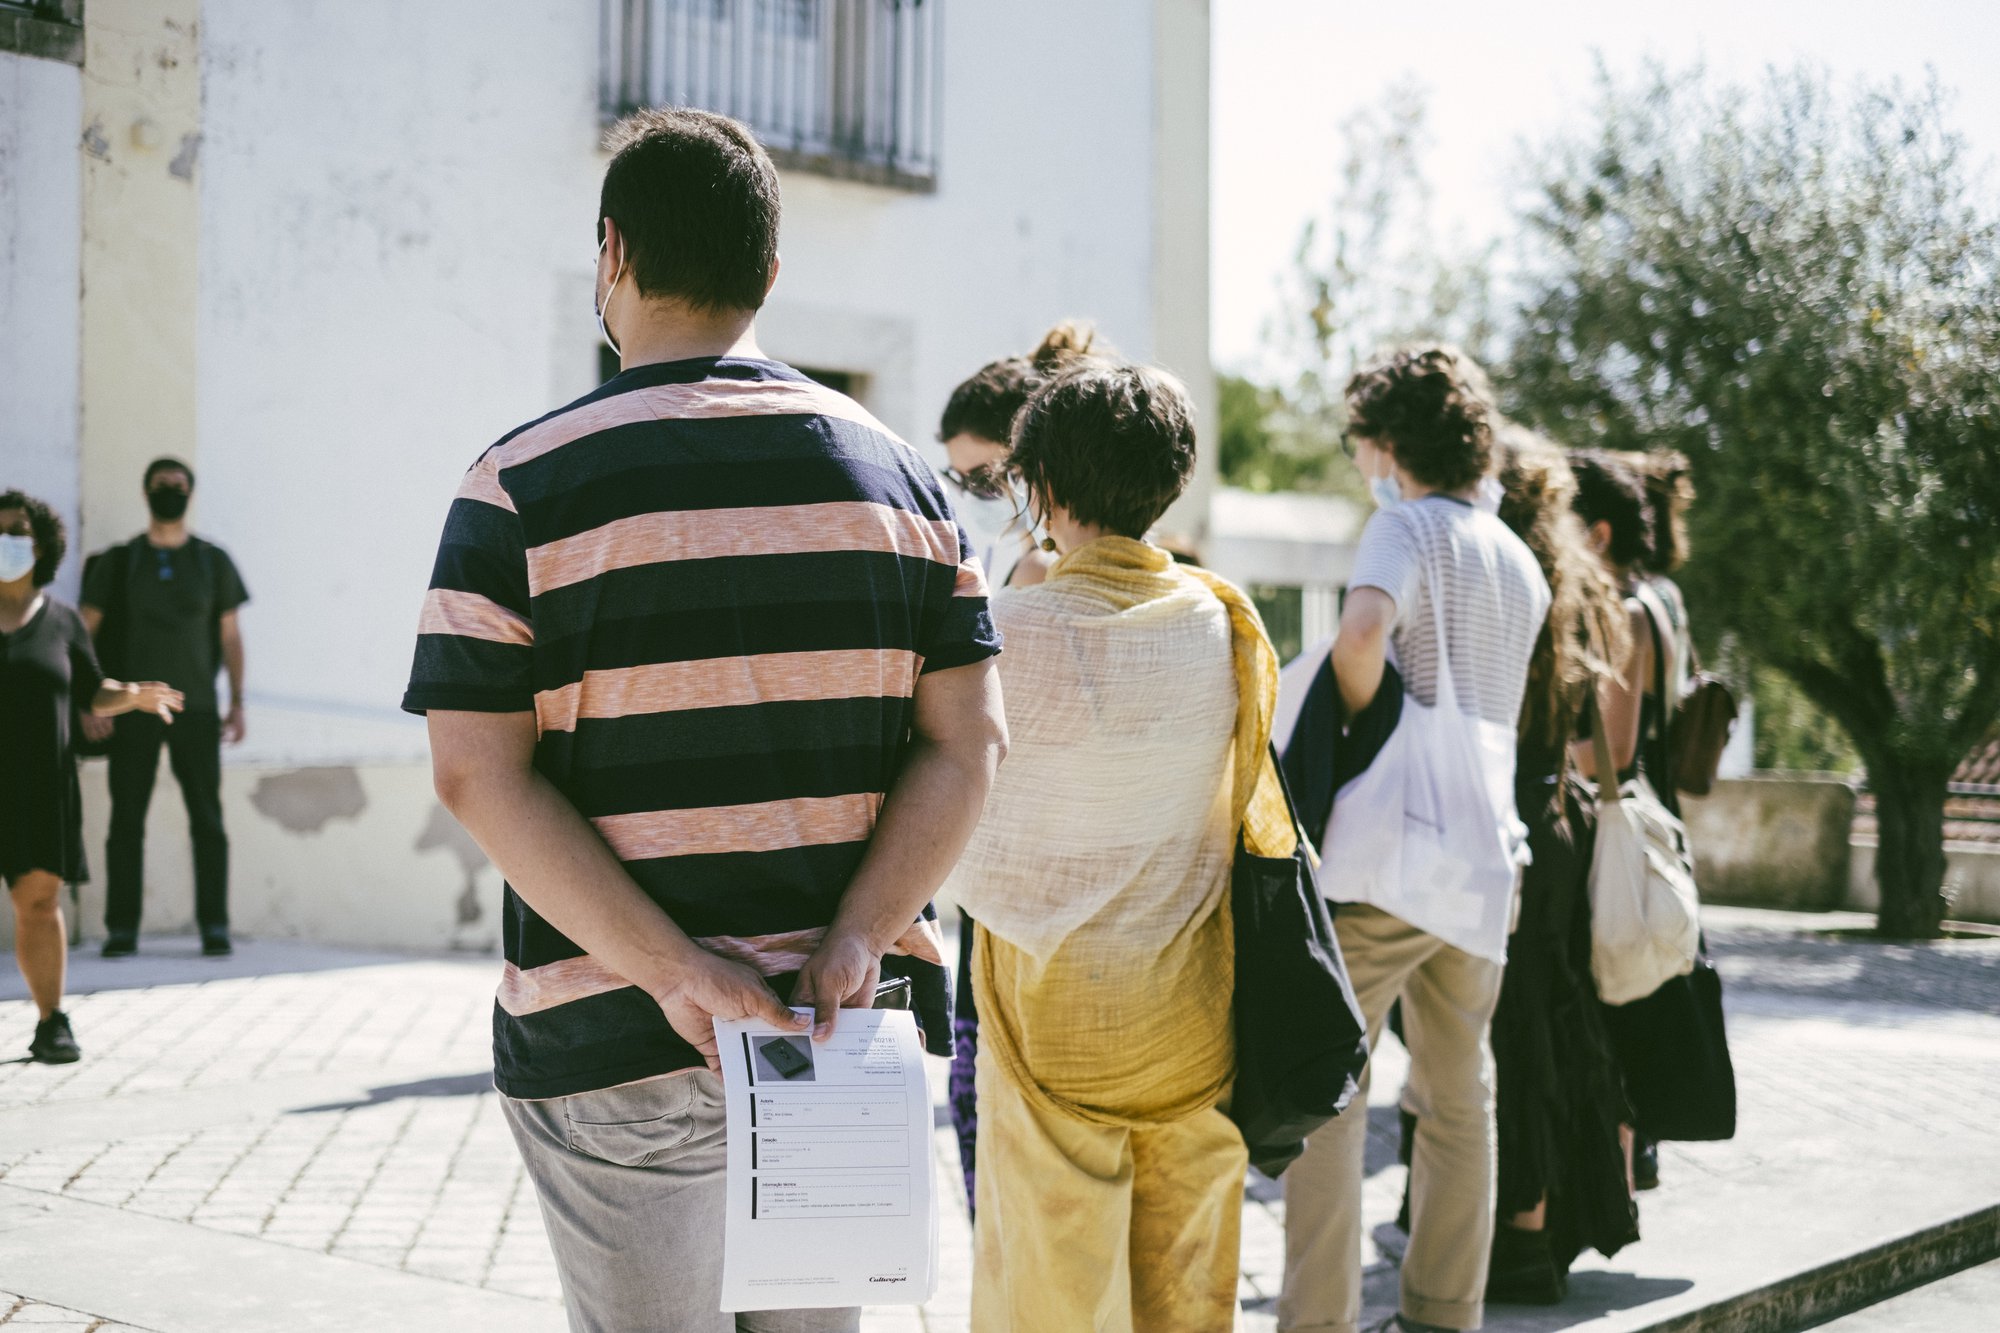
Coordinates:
[307,1138]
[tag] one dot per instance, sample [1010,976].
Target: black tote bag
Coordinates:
[1675,1052]
[1300,1041]
[1674,1044]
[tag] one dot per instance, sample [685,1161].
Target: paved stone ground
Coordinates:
[21,1313]
[315,1131]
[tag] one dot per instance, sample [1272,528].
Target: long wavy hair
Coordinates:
[1586,631]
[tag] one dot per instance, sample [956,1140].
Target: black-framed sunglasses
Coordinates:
[1347,441]
[982,483]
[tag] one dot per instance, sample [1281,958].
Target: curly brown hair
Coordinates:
[1432,407]
[1112,443]
[51,541]
[1586,630]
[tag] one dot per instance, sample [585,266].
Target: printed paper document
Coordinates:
[831,1198]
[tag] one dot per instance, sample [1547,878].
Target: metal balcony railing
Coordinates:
[846,88]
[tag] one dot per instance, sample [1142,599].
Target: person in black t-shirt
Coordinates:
[163,605]
[47,670]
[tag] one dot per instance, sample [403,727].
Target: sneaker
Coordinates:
[54,1043]
[215,944]
[1523,1271]
[120,946]
[1646,1164]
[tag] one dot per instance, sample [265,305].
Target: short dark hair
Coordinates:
[696,199]
[1113,443]
[1432,406]
[987,403]
[159,465]
[1607,491]
[47,525]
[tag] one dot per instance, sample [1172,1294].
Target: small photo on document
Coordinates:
[787,1059]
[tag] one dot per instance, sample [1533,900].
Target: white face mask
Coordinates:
[1490,494]
[17,558]
[603,332]
[1388,492]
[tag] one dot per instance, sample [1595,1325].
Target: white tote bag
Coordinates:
[1428,832]
[1645,925]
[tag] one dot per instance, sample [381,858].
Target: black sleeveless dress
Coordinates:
[1559,1091]
[45,666]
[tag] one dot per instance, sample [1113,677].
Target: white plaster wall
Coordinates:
[388,194]
[1043,207]
[358,855]
[396,243]
[41,186]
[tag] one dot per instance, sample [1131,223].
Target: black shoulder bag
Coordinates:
[1300,1041]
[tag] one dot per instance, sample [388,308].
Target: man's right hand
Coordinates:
[98,729]
[710,988]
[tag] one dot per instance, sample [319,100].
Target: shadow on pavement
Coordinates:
[453,1085]
[1592,1295]
[1959,974]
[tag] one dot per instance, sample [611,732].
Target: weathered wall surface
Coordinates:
[396,269]
[142,143]
[1786,842]
[361,856]
[1772,842]
[1971,880]
[40,201]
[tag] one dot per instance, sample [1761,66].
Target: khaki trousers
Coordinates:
[1109,1230]
[1448,998]
[631,1184]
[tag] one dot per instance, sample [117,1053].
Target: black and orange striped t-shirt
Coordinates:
[715,583]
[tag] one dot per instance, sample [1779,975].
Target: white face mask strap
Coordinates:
[603,330]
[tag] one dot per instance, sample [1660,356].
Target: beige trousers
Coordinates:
[1448,997]
[1100,1229]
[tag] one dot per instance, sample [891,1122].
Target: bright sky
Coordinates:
[1500,72]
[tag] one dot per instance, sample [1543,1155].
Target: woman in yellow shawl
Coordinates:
[1139,701]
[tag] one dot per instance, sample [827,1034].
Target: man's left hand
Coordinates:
[232,726]
[841,974]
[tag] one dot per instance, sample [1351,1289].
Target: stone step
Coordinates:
[1965,1302]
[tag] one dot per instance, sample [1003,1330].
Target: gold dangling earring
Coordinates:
[1049,545]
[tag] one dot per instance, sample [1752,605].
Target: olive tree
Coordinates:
[1798,285]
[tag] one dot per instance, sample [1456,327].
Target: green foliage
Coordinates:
[1791,733]
[1263,443]
[1369,273]
[1795,287]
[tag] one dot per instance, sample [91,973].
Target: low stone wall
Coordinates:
[1971,880]
[1769,841]
[362,856]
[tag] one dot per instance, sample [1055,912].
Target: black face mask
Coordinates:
[167,502]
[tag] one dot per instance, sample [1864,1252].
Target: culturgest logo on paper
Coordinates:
[890,1277]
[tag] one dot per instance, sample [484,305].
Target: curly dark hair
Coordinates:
[1113,443]
[1432,406]
[51,542]
[986,404]
[1607,491]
